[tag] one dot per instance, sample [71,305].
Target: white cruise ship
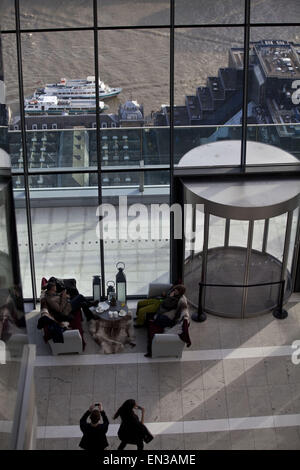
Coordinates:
[47,104]
[78,89]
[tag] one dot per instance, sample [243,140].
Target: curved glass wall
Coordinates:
[249,236]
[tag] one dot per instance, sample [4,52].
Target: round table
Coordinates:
[112,326]
[112,308]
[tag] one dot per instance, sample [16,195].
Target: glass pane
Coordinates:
[214,11]
[274,68]
[64,226]
[194,241]
[258,234]
[22,231]
[15,148]
[199,228]
[265,267]
[144,78]
[134,229]
[54,58]
[216,232]
[132,13]
[188,137]
[57,148]
[12,322]
[133,146]
[280,11]
[238,235]
[56,14]
[3,136]
[208,95]
[276,236]
[7,15]
[188,231]
[263,299]
[54,106]
[293,240]
[9,52]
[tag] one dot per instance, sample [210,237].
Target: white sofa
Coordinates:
[165,345]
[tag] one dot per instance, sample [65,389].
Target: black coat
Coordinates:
[94,437]
[131,430]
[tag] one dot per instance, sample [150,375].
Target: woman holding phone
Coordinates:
[132,429]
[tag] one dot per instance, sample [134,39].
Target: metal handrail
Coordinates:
[279,312]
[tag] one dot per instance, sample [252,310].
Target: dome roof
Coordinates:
[131,110]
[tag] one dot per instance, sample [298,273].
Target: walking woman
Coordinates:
[132,429]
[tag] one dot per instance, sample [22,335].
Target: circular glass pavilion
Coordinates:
[240,233]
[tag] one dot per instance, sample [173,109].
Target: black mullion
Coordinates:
[24,148]
[71,171]
[88,28]
[217,170]
[162,26]
[98,130]
[245,84]
[172,189]
[233,25]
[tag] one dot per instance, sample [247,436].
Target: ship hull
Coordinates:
[102,96]
[61,111]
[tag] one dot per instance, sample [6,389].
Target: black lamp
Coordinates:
[96,288]
[110,290]
[121,282]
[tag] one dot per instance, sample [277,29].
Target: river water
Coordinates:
[136,60]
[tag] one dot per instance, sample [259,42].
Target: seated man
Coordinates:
[180,326]
[62,308]
[168,303]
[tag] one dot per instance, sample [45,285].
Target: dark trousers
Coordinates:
[152,329]
[139,444]
[79,301]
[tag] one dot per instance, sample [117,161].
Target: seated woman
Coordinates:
[61,307]
[181,322]
[168,303]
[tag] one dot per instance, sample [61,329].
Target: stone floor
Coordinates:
[9,376]
[242,393]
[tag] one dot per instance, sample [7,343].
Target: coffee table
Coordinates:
[113,325]
[112,308]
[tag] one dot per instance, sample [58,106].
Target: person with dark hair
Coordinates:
[132,429]
[147,308]
[94,433]
[177,321]
[61,307]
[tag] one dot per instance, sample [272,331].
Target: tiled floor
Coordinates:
[248,402]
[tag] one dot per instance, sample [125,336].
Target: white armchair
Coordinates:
[165,344]
[72,340]
[72,343]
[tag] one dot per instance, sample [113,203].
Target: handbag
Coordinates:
[147,435]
